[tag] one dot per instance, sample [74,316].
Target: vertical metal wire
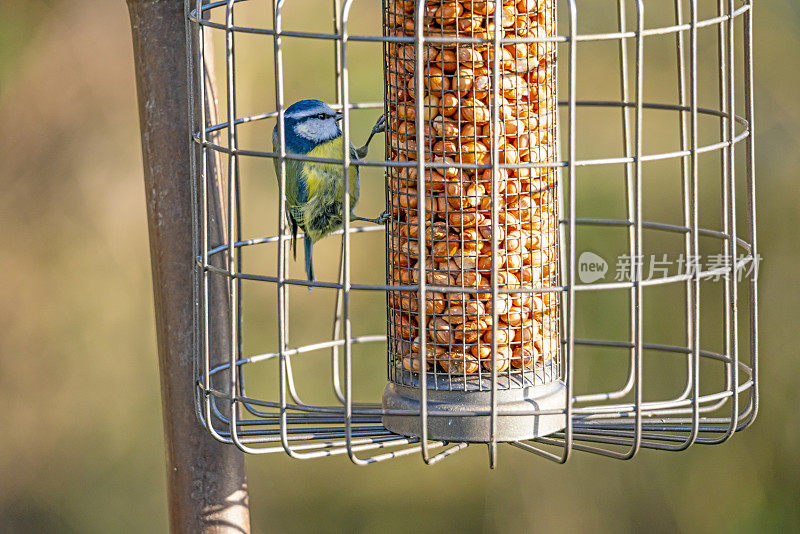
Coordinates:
[206,342]
[387,173]
[346,162]
[419,84]
[694,227]
[569,308]
[733,288]
[685,185]
[629,190]
[337,321]
[637,279]
[495,157]
[277,7]
[233,217]
[196,239]
[337,327]
[751,204]
[724,59]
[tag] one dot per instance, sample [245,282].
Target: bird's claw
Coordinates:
[380,125]
[382,219]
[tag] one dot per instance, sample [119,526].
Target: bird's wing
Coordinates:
[296,197]
[314,215]
[296,194]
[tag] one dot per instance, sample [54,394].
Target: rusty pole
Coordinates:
[206,481]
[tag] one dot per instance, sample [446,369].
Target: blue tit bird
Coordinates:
[314,191]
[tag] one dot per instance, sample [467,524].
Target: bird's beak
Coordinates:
[339,115]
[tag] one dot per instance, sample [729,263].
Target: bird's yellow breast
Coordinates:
[320,177]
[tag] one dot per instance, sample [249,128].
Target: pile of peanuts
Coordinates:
[458,98]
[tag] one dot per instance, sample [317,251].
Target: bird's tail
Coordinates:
[294,237]
[309,259]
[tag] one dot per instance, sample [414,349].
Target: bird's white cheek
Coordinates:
[304,130]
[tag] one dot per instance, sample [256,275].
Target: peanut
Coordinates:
[459,363]
[502,359]
[524,356]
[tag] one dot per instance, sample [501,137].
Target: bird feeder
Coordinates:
[501,242]
[471,114]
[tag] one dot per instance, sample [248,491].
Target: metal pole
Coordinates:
[206,483]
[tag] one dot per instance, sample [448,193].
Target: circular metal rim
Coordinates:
[377,437]
[741,262]
[620,410]
[653,106]
[706,402]
[381,338]
[596,37]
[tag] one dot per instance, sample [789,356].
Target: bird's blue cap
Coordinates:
[308,107]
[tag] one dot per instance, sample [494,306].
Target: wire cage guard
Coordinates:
[462,369]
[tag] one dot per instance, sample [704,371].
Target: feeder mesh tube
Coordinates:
[458,101]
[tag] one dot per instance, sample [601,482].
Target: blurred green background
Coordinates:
[81,447]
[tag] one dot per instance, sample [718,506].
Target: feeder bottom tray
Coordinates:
[458,423]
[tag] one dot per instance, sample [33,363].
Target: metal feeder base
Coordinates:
[460,426]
